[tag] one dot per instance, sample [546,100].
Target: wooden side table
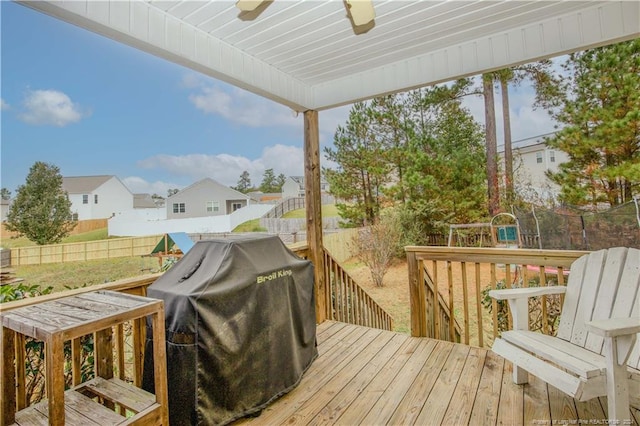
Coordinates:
[91,402]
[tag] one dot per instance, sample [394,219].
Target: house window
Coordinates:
[85,199]
[178,207]
[236,206]
[95,199]
[538,157]
[213,206]
[552,156]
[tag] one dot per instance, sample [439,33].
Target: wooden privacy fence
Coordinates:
[460,277]
[89,250]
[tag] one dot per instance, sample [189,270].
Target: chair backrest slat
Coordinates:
[603,284]
[612,272]
[571,298]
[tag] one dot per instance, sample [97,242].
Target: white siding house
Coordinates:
[294,187]
[205,198]
[4,209]
[532,158]
[97,197]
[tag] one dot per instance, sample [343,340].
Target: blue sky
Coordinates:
[92,106]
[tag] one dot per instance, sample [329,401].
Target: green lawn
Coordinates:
[328,210]
[98,234]
[250,226]
[85,273]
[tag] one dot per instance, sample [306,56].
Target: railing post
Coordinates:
[313,209]
[417,298]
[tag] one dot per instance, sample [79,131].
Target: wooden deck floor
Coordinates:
[366,376]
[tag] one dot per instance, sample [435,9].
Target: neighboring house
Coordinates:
[294,187]
[145,201]
[97,197]
[4,209]
[205,198]
[261,197]
[531,160]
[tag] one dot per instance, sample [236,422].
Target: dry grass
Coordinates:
[393,296]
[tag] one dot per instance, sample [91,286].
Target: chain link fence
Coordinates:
[571,229]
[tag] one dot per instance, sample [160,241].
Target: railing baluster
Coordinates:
[543,301]
[452,322]
[479,307]
[120,350]
[465,299]
[76,365]
[436,305]
[21,373]
[494,304]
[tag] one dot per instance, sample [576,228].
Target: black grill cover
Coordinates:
[240,325]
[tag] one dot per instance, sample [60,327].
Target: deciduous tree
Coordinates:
[41,210]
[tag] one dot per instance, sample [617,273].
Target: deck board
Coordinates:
[366,376]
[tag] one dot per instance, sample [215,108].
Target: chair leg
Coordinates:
[520,375]
[617,382]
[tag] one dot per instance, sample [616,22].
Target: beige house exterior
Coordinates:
[205,197]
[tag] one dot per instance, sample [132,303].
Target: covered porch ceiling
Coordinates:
[305,54]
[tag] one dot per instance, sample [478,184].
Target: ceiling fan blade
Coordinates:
[248,5]
[361,11]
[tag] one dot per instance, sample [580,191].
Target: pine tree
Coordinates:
[598,106]
[244,183]
[362,170]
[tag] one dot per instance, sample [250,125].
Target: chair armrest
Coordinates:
[614,327]
[520,293]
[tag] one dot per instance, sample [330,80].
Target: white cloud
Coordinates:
[225,168]
[242,107]
[247,109]
[3,105]
[50,107]
[138,185]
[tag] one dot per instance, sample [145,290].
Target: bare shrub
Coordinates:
[376,246]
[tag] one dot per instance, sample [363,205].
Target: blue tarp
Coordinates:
[179,239]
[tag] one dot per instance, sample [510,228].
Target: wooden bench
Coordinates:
[103,400]
[596,351]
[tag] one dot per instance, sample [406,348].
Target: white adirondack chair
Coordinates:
[596,352]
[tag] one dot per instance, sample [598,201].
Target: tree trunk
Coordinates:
[492,149]
[508,152]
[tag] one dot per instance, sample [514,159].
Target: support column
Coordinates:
[313,203]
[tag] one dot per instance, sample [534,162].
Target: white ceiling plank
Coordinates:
[188,41]
[120,16]
[139,21]
[157,29]
[98,11]
[173,35]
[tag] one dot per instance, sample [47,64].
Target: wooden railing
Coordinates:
[349,302]
[460,277]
